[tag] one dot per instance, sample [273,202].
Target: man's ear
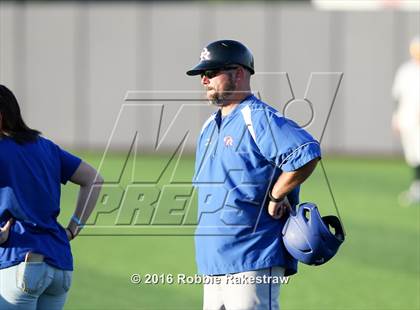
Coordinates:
[239,74]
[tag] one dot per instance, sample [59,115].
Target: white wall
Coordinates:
[71,64]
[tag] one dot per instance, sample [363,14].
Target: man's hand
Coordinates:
[284,185]
[4,231]
[278,209]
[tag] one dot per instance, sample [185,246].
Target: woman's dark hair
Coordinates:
[12,124]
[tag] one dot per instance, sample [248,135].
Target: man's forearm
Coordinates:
[289,180]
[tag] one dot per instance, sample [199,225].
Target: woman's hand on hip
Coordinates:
[4,231]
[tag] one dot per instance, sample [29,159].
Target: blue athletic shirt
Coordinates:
[30,189]
[238,159]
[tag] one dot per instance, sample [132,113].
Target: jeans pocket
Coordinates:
[67,279]
[31,277]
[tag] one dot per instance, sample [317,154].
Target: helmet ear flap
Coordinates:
[306,214]
[309,238]
[333,222]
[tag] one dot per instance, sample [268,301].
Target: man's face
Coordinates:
[220,85]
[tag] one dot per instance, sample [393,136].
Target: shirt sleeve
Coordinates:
[69,164]
[282,142]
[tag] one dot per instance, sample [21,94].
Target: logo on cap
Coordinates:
[205,54]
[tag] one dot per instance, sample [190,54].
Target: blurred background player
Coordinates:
[406,119]
[35,258]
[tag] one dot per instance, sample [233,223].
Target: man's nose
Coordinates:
[205,80]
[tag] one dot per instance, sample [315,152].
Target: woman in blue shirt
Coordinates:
[35,258]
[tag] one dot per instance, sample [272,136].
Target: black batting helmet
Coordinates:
[222,53]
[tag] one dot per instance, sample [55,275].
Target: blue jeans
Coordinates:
[33,286]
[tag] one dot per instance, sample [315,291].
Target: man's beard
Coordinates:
[220,98]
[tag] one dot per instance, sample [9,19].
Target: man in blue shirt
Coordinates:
[250,162]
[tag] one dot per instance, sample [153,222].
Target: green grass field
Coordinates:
[376,268]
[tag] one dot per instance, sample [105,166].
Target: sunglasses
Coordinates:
[212,73]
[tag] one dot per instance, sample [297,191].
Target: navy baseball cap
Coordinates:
[223,53]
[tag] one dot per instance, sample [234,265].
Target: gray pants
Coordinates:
[250,290]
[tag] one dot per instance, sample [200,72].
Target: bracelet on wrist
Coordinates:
[274,199]
[71,233]
[75,219]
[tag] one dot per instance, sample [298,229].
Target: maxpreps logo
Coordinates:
[205,54]
[148,188]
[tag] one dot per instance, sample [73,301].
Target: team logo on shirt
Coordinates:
[228,140]
[205,54]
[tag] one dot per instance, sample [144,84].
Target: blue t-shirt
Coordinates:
[238,159]
[30,189]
